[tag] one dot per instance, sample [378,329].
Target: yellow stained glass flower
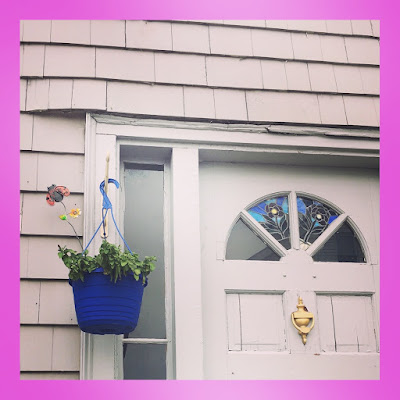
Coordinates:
[75,212]
[63,217]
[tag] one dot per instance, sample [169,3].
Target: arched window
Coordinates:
[268,229]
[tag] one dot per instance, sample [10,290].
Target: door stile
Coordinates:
[293,221]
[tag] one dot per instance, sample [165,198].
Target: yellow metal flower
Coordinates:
[63,217]
[75,212]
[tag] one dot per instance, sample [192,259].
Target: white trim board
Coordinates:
[160,140]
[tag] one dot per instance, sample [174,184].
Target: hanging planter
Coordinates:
[108,287]
[104,307]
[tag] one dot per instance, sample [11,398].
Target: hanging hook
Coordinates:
[104,235]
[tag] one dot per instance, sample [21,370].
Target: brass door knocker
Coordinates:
[301,318]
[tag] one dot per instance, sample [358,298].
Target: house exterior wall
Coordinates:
[318,73]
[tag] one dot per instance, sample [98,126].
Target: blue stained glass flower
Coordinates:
[314,218]
[272,215]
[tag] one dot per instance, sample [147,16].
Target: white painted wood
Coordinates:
[104,347]
[374,258]
[168,263]
[29,302]
[87,350]
[41,258]
[263,233]
[69,31]
[280,275]
[37,94]
[23,257]
[36,355]
[107,33]
[104,120]
[326,323]
[187,267]
[262,323]
[353,321]
[175,133]
[28,171]
[89,94]
[219,277]
[234,322]
[60,96]
[21,210]
[38,218]
[22,96]
[145,341]
[225,190]
[66,349]
[66,170]
[265,155]
[56,303]
[26,131]
[281,366]
[57,133]
[293,221]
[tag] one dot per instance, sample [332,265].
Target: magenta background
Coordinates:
[386,11]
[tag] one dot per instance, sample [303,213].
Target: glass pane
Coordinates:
[145,361]
[243,244]
[314,218]
[343,246]
[144,233]
[273,215]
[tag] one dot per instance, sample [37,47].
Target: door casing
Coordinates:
[187,144]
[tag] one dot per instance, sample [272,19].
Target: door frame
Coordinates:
[188,144]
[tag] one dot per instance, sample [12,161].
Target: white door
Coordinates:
[271,234]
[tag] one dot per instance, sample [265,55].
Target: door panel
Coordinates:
[247,304]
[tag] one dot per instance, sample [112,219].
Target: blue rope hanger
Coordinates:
[107,206]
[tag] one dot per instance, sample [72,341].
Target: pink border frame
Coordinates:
[386,11]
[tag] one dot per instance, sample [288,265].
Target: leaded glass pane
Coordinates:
[314,218]
[343,246]
[243,244]
[273,216]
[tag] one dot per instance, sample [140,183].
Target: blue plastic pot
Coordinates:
[104,307]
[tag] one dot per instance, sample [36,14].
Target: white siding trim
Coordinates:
[187,264]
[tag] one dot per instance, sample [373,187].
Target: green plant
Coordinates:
[115,263]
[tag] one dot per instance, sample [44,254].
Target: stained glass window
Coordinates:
[273,216]
[243,244]
[314,218]
[249,242]
[343,246]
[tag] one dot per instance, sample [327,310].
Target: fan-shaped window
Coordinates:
[266,230]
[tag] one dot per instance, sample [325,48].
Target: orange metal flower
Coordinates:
[75,212]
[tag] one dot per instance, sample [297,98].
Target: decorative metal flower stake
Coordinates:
[56,194]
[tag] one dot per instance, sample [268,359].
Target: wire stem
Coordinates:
[76,235]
